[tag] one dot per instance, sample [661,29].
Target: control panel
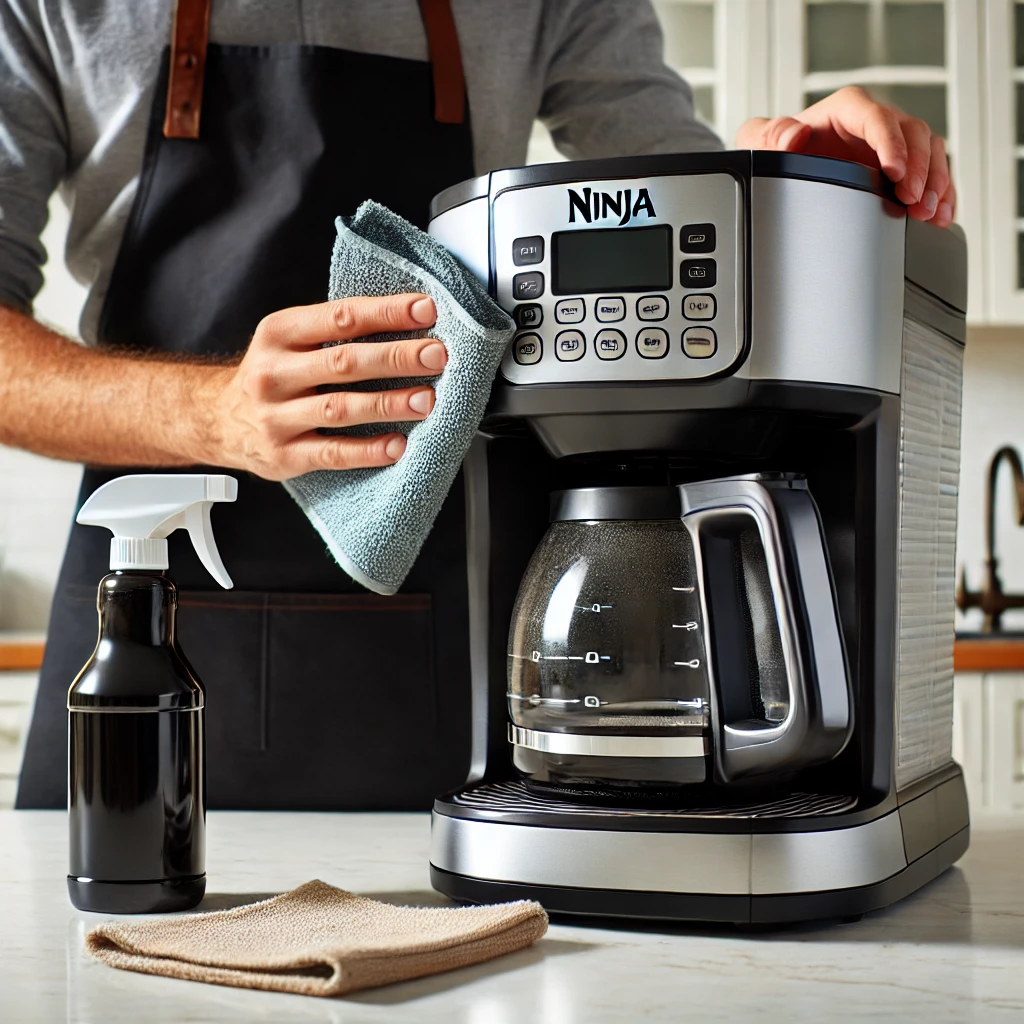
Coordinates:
[622,279]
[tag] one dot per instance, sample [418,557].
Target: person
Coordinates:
[204,152]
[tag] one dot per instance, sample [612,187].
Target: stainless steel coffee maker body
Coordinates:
[749,387]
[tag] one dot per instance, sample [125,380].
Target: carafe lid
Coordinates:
[582,504]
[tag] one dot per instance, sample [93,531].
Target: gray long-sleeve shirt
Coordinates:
[77,79]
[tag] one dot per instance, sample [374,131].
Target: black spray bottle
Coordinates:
[136,740]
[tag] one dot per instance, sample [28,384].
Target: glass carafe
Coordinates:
[606,657]
[667,636]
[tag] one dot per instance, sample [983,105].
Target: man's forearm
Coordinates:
[61,399]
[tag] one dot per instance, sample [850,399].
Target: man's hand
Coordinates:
[267,409]
[260,414]
[850,125]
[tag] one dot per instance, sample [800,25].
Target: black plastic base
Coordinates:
[157,897]
[674,906]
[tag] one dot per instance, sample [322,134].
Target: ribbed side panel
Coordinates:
[929,477]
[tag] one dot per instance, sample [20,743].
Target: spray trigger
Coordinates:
[142,511]
[200,529]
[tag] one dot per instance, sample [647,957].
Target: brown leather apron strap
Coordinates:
[446,61]
[188,61]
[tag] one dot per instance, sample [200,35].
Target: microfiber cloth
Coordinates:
[317,941]
[376,520]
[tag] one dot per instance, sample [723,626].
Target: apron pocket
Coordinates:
[316,701]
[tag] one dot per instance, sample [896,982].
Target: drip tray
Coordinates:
[514,798]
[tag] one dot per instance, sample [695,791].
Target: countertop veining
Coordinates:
[952,952]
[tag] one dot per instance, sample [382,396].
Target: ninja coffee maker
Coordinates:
[711,524]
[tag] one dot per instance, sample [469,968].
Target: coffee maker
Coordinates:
[711,517]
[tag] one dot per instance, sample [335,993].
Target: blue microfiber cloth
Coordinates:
[376,520]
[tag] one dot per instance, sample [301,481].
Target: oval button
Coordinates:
[570,346]
[610,344]
[699,342]
[527,349]
[609,309]
[699,307]
[652,343]
[570,311]
[652,307]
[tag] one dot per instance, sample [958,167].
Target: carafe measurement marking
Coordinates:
[593,607]
[591,657]
[684,625]
[536,699]
[684,590]
[694,663]
[698,704]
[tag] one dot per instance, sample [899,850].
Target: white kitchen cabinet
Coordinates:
[17,693]
[1004,90]
[1004,746]
[988,738]
[969,733]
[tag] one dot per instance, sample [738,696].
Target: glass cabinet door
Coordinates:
[720,48]
[690,48]
[921,55]
[1004,53]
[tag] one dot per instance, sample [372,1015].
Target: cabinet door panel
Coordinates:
[1004,755]
[1004,63]
[968,734]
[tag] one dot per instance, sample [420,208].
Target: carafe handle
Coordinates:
[819,719]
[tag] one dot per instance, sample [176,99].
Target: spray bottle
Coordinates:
[136,740]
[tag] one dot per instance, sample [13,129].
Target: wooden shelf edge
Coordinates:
[20,656]
[988,655]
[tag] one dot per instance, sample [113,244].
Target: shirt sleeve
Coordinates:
[33,149]
[608,91]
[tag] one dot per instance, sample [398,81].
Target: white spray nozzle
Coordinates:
[142,511]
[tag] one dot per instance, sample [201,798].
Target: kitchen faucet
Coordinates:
[991,599]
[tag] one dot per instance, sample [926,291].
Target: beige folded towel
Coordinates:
[318,941]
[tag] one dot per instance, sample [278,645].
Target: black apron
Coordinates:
[319,694]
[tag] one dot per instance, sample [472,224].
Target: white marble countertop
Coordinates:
[952,952]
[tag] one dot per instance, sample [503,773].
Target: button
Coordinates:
[697,238]
[699,342]
[527,349]
[697,273]
[530,250]
[652,307]
[570,346]
[610,344]
[528,286]
[608,310]
[699,307]
[530,315]
[652,342]
[570,311]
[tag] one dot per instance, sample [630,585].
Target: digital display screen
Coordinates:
[611,260]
